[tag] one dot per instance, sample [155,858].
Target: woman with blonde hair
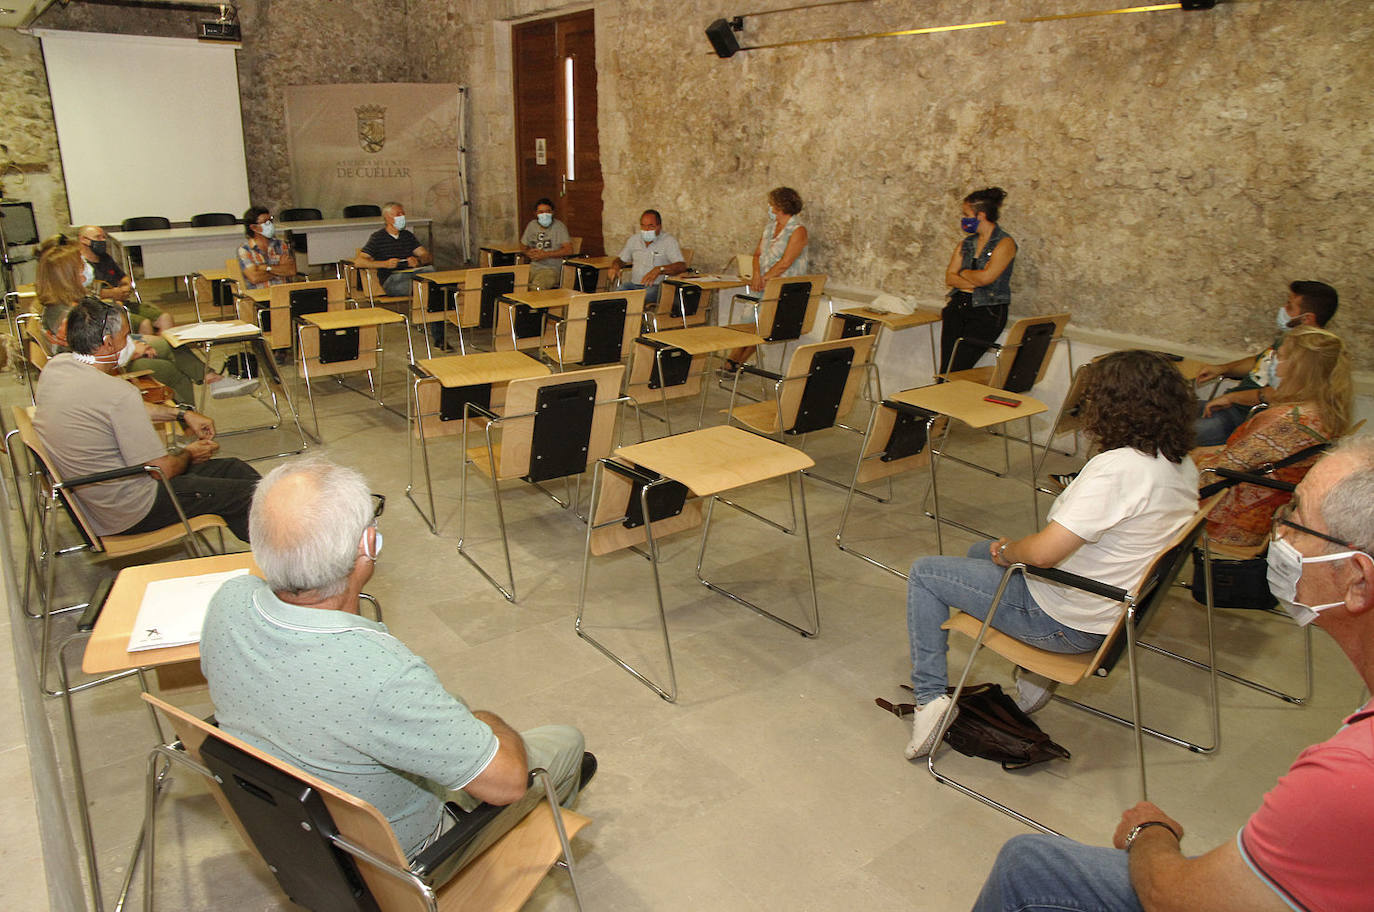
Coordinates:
[61,285]
[1311,406]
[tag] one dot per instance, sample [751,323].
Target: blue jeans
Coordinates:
[1216,427]
[398,283]
[937,584]
[650,291]
[1039,873]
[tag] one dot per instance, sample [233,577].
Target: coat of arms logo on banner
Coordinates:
[371,127]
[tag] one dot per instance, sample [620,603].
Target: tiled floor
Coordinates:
[774,782]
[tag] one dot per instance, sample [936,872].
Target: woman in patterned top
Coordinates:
[1312,405]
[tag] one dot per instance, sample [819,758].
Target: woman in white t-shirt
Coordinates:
[1125,505]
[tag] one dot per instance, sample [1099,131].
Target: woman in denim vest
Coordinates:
[979,279]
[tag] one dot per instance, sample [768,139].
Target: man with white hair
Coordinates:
[396,254]
[1305,847]
[295,670]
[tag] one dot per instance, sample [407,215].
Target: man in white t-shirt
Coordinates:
[1120,511]
[651,255]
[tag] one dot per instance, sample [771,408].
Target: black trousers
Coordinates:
[963,321]
[220,486]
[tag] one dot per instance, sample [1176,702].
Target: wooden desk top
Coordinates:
[228,330]
[963,400]
[708,282]
[258,295]
[548,297]
[482,367]
[701,340]
[108,648]
[443,277]
[215,275]
[600,262]
[345,319]
[891,320]
[716,459]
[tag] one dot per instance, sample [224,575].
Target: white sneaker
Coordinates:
[1033,691]
[225,387]
[925,723]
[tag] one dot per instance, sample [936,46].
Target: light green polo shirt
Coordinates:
[340,697]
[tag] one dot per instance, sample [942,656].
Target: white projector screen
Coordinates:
[146,126]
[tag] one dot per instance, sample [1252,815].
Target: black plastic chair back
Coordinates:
[585,277]
[301,215]
[665,500]
[339,345]
[145,223]
[852,326]
[291,829]
[562,434]
[686,300]
[308,301]
[910,432]
[213,220]
[493,286]
[452,400]
[503,258]
[825,383]
[672,365]
[437,294]
[790,312]
[362,210]
[1025,367]
[605,331]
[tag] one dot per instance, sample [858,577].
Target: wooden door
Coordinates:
[550,56]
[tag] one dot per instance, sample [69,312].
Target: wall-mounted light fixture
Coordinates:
[721,32]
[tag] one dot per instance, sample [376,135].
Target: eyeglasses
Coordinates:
[378,505]
[1281,518]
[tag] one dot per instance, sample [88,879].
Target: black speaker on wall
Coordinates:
[722,36]
[1199,4]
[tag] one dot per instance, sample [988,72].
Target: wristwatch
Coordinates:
[1139,827]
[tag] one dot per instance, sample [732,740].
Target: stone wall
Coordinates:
[1167,172]
[30,167]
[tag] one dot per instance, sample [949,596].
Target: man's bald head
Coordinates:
[306,523]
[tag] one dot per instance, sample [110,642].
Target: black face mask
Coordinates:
[99,247]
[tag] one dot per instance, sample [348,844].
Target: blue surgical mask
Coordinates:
[968,224]
[648,236]
[87,273]
[1283,319]
[268,228]
[772,216]
[545,219]
[399,221]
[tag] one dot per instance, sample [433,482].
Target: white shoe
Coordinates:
[1033,691]
[925,724]
[233,386]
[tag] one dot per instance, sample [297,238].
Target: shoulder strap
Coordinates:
[1265,469]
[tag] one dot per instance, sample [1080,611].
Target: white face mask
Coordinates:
[399,221]
[126,354]
[1285,570]
[545,219]
[122,357]
[268,228]
[647,236]
[87,273]
[1284,320]
[375,551]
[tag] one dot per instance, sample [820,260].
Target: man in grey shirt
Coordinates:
[547,242]
[651,255]
[91,421]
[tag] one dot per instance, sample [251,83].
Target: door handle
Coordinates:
[563,185]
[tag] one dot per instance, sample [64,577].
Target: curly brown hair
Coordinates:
[786,199]
[1138,399]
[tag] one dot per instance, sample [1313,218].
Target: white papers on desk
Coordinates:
[204,332]
[173,610]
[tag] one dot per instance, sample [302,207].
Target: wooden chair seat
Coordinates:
[1064,668]
[760,416]
[976,374]
[124,545]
